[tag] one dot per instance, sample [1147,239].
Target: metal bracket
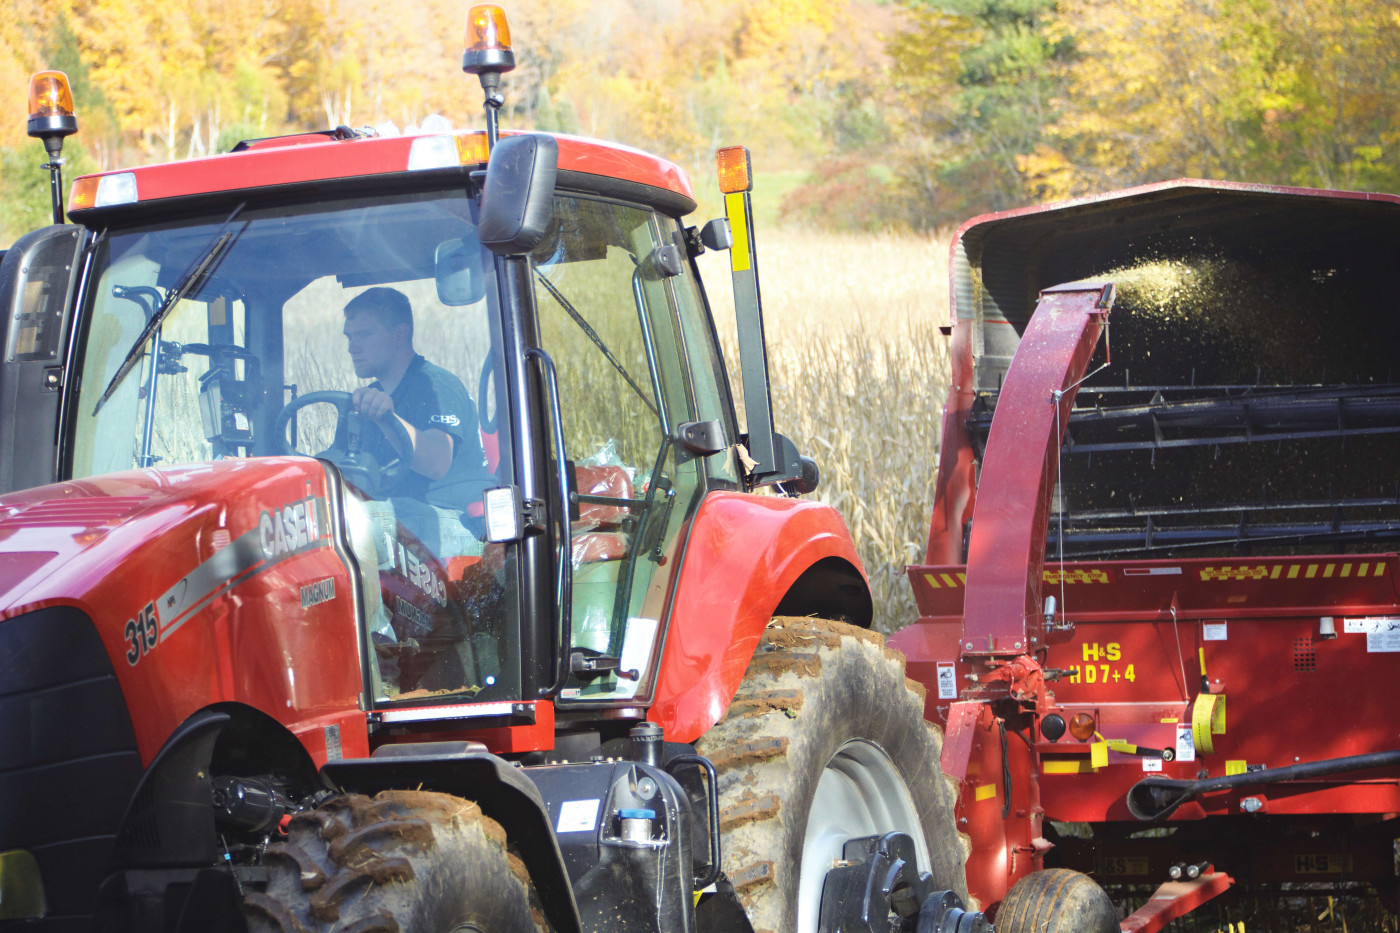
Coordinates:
[535,515]
[701,438]
[878,880]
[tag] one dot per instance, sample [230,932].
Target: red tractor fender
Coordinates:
[748,558]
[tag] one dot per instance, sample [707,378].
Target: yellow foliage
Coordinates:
[1301,91]
[1049,175]
[19,58]
[1283,92]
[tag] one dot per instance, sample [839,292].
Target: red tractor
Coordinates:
[1167,484]
[546,643]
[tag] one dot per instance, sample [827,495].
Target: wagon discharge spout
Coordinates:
[1004,613]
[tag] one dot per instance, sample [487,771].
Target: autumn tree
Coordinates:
[1295,91]
[978,81]
[39,37]
[913,113]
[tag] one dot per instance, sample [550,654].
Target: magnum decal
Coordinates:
[322,591]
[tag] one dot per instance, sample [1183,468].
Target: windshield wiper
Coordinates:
[593,336]
[193,275]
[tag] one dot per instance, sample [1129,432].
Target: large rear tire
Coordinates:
[404,862]
[826,742]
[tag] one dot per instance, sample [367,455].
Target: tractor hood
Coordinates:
[67,543]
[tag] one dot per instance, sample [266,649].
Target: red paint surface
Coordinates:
[1227,588]
[1291,695]
[955,489]
[1175,899]
[322,159]
[111,545]
[1003,820]
[1020,463]
[744,553]
[121,542]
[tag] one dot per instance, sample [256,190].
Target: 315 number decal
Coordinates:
[142,634]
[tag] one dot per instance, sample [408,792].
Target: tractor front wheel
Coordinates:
[402,862]
[825,742]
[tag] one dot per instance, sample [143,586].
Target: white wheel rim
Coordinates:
[860,793]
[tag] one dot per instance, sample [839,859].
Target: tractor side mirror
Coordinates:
[457,269]
[517,202]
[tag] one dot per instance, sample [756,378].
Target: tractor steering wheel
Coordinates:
[359,466]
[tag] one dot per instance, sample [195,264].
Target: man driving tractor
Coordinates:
[427,422]
[443,466]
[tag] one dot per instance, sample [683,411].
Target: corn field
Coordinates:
[859,374]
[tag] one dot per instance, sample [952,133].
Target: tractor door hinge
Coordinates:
[535,515]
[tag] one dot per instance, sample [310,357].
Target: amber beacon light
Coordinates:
[488,55]
[51,118]
[488,40]
[51,107]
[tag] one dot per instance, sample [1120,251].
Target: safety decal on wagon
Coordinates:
[951,581]
[1303,571]
[945,580]
[1075,576]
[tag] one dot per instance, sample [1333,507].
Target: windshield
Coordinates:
[356,330]
[366,332]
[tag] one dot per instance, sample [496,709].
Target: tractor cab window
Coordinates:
[606,287]
[361,331]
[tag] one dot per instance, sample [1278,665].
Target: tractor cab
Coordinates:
[239,325]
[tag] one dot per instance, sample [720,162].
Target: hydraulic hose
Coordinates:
[1156,798]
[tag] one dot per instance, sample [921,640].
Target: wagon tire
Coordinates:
[401,862]
[1057,900]
[825,742]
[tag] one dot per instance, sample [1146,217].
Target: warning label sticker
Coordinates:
[1371,624]
[1215,631]
[1185,746]
[1382,632]
[947,681]
[577,816]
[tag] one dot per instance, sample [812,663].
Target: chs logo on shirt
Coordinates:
[449,420]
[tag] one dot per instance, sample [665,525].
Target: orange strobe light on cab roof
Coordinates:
[488,56]
[51,114]
[735,169]
[51,118]
[488,41]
